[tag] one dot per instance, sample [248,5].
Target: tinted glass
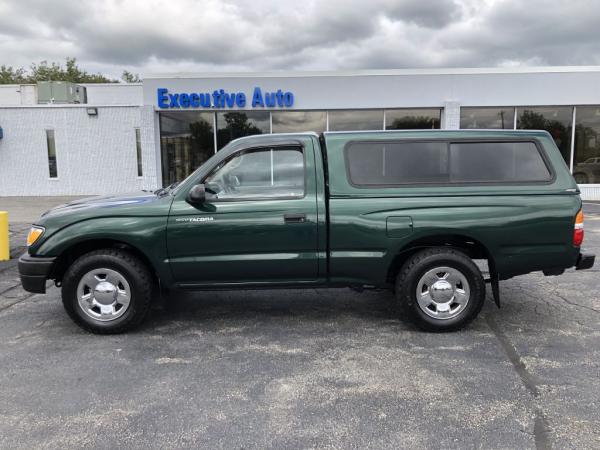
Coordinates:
[138,151]
[298,121]
[356,120]
[556,120]
[412,119]
[265,173]
[497,161]
[487,118]
[52,165]
[397,163]
[586,164]
[232,125]
[186,141]
[392,163]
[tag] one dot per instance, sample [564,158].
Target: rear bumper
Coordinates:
[34,272]
[585,261]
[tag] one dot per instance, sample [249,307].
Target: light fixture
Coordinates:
[92,111]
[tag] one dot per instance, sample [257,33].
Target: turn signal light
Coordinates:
[34,235]
[578,232]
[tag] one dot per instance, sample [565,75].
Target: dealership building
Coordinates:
[64,139]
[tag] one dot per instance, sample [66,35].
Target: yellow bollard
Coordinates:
[4,246]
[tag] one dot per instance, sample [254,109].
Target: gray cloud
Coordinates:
[223,35]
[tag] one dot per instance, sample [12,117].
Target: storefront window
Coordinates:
[234,124]
[556,120]
[412,119]
[356,120]
[299,121]
[586,163]
[487,118]
[186,141]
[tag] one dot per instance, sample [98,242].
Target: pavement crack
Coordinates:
[554,291]
[10,288]
[541,426]
[4,308]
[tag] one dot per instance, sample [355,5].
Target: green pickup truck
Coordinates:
[408,211]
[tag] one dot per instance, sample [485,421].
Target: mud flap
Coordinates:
[495,282]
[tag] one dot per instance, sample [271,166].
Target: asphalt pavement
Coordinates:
[305,369]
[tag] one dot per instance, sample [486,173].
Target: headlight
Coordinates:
[34,234]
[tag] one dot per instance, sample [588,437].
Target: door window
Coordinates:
[258,174]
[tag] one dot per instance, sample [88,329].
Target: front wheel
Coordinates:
[441,289]
[107,291]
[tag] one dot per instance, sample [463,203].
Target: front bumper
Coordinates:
[34,272]
[585,261]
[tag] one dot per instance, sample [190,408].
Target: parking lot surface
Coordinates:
[305,369]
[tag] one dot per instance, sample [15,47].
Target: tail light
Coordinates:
[578,231]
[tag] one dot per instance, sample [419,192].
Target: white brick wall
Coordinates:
[451,117]
[95,155]
[590,191]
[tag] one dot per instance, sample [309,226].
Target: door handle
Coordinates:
[294,217]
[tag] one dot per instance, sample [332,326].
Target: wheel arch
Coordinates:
[80,248]
[472,247]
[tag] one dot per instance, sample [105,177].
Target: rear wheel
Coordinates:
[441,289]
[107,291]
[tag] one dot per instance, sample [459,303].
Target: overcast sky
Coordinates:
[149,36]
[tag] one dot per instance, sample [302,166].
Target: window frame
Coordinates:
[449,142]
[237,153]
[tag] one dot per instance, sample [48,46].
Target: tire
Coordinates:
[449,285]
[101,277]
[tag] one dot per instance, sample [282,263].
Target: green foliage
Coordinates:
[129,77]
[53,71]
[238,125]
[10,75]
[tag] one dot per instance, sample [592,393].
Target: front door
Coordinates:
[258,225]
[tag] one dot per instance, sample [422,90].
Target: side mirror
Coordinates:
[197,195]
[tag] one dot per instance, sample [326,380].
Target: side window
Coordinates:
[402,163]
[390,163]
[497,161]
[258,174]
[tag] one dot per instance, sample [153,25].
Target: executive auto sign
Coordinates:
[222,99]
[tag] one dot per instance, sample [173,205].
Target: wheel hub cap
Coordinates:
[443,292]
[103,294]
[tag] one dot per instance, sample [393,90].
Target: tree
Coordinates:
[238,125]
[53,71]
[561,133]
[9,75]
[202,142]
[129,77]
